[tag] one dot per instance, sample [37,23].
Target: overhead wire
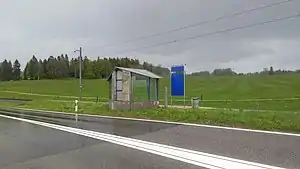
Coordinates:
[198,23]
[213,33]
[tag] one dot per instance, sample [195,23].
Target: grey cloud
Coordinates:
[52,27]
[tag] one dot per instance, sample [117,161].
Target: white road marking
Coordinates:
[189,156]
[170,122]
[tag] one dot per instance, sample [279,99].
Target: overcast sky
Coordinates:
[52,27]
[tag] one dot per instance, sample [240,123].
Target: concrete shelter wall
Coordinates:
[125,105]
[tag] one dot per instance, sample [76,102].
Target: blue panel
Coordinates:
[177,84]
[177,80]
[177,69]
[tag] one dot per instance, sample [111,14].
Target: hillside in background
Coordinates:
[230,72]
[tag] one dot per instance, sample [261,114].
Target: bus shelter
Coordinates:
[131,88]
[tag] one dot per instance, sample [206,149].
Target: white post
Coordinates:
[76,110]
[184,85]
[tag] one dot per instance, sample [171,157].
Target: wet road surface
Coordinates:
[39,147]
[24,145]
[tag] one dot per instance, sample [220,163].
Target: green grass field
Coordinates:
[265,120]
[240,92]
[276,98]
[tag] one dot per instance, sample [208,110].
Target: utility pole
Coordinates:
[80,67]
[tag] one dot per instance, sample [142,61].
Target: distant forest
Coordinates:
[61,67]
[230,72]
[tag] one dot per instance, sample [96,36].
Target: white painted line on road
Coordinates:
[189,156]
[178,123]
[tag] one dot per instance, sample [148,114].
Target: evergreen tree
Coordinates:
[67,62]
[62,67]
[33,68]
[25,73]
[9,71]
[271,71]
[51,68]
[6,73]
[87,68]
[16,70]
[44,66]
[41,70]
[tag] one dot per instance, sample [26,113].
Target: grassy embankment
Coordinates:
[240,92]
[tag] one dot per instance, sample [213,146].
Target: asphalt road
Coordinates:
[23,145]
[27,146]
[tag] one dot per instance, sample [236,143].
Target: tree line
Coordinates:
[9,71]
[230,72]
[62,67]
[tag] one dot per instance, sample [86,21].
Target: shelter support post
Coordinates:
[148,88]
